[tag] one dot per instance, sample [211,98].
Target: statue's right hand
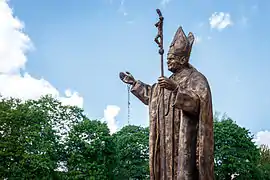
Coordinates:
[127,78]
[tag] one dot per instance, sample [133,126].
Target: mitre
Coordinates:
[181,44]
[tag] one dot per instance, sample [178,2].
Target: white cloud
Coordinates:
[220,20]
[197,40]
[25,86]
[14,44]
[165,2]
[110,113]
[72,98]
[262,137]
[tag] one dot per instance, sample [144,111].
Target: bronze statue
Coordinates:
[181,140]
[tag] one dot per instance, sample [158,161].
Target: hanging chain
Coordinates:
[128,89]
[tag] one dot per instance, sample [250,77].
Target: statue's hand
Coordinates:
[127,78]
[167,83]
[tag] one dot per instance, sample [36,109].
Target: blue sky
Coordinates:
[84,44]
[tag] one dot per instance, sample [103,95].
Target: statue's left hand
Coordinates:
[167,83]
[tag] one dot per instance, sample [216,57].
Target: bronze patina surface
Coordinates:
[181,140]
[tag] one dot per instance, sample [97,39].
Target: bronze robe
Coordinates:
[188,131]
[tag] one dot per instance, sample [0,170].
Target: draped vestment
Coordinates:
[184,145]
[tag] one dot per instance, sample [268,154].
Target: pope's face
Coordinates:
[173,63]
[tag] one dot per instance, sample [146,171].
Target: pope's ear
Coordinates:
[191,38]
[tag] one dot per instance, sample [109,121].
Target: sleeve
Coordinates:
[187,100]
[142,91]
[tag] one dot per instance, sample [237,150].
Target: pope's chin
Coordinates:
[171,68]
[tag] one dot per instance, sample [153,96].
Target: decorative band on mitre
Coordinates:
[181,44]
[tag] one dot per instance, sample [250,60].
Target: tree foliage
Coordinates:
[30,136]
[265,154]
[40,137]
[90,151]
[235,152]
[132,153]
[264,164]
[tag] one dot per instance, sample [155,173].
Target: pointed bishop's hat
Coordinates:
[181,44]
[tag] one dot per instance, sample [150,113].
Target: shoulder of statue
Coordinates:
[200,84]
[199,76]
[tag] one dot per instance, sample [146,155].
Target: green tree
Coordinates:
[235,152]
[264,164]
[30,134]
[265,154]
[90,151]
[132,153]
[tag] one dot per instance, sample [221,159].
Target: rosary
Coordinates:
[128,113]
